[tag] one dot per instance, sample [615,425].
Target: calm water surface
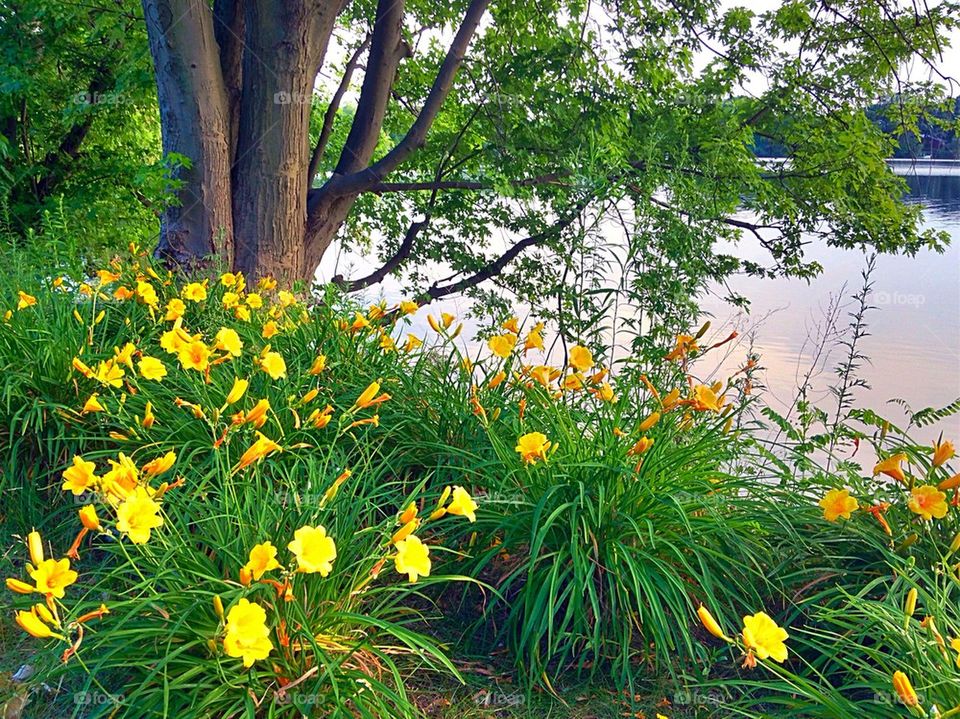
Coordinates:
[914,341]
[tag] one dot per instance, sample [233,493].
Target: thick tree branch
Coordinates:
[551,178]
[494,268]
[331,114]
[398,258]
[387,48]
[228,30]
[341,185]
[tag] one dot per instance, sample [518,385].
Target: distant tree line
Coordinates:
[934,135]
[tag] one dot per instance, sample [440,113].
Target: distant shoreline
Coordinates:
[940,168]
[925,167]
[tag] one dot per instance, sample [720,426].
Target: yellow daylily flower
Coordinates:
[413,558]
[125,356]
[272,363]
[227,340]
[258,450]
[175,309]
[318,366]
[269,329]
[25,300]
[263,558]
[109,373]
[533,447]
[314,550]
[80,477]
[247,634]
[52,577]
[463,504]
[137,515]
[502,345]
[762,636]
[838,503]
[258,415]
[534,340]
[151,368]
[705,399]
[195,292]
[93,404]
[369,396]
[928,502]
[942,453]
[159,465]
[194,355]
[147,294]
[891,467]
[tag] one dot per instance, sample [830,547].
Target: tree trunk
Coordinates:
[285,44]
[235,85]
[195,123]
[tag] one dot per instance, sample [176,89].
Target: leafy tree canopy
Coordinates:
[585,151]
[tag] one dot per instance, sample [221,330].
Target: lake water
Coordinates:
[914,341]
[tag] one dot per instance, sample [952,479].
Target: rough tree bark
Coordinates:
[235,84]
[194,118]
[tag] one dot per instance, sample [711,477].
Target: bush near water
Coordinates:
[225,500]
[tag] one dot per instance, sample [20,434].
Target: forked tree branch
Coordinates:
[495,267]
[398,258]
[331,114]
[362,180]
[387,48]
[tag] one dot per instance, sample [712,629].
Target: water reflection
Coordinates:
[914,341]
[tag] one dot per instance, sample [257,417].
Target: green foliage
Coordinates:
[79,123]
[587,561]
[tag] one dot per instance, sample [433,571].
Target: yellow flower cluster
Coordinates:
[927,501]
[246,634]
[50,577]
[760,638]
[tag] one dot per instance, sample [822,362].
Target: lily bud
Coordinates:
[710,624]
[905,690]
[911,604]
[35,545]
[18,587]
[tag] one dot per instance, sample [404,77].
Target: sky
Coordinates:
[948,63]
